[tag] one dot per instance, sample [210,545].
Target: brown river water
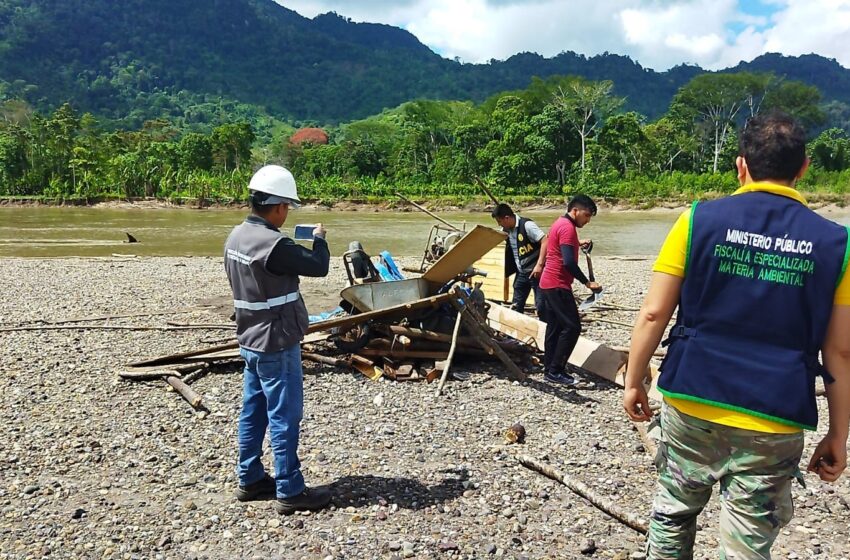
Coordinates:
[41,231]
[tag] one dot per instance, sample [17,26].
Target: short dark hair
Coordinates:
[582,201]
[256,200]
[774,146]
[501,211]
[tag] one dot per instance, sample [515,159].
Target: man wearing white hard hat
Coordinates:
[263,267]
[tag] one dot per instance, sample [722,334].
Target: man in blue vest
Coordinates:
[525,255]
[760,283]
[263,267]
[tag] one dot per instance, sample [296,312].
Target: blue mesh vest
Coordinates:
[760,279]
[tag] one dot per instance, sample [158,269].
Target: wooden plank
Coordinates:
[403,354]
[352,320]
[215,352]
[594,357]
[517,325]
[464,254]
[495,286]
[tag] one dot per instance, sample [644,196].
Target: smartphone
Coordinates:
[304,231]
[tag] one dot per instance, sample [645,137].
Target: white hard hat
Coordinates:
[278,182]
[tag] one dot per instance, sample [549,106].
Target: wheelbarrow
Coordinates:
[374,296]
[380,295]
[453,266]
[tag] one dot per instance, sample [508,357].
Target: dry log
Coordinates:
[202,325]
[185,391]
[102,328]
[109,317]
[318,358]
[452,349]
[617,306]
[193,376]
[147,375]
[594,319]
[157,372]
[603,504]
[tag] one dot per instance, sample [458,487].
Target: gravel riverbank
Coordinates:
[93,467]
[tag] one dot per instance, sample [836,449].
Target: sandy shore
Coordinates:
[93,467]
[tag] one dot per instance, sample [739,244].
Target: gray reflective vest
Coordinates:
[270,314]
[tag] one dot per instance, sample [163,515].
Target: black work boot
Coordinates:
[310,499]
[263,488]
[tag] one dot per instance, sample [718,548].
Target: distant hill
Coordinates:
[131,60]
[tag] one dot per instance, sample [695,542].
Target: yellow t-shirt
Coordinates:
[671,260]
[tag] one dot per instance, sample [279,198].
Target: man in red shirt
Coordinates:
[563,325]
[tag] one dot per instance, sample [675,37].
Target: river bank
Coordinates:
[827,202]
[93,467]
[474,204]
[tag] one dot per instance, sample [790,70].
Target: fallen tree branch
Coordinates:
[202,325]
[147,375]
[185,391]
[318,358]
[194,375]
[451,355]
[110,317]
[603,504]
[105,328]
[587,319]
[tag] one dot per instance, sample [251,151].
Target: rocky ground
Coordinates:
[94,467]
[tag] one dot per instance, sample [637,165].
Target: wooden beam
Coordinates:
[598,359]
[479,330]
[401,309]
[451,355]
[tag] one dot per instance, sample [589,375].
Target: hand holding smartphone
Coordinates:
[305,231]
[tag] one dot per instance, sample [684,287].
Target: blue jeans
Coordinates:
[273,398]
[523,284]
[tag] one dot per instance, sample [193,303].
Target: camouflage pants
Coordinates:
[755,471]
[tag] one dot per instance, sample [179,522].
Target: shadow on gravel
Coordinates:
[568,394]
[408,493]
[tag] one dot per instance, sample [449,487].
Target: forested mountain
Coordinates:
[134,60]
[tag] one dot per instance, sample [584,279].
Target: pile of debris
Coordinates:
[405,330]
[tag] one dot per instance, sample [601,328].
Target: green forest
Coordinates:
[181,100]
[558,136]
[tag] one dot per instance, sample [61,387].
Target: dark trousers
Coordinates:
[523,284]
[563,328]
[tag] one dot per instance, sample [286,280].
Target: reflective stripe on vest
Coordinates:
[259,305]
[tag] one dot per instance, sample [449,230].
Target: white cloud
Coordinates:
[811,26]
[657,33]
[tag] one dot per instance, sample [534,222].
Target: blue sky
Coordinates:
[657,33]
